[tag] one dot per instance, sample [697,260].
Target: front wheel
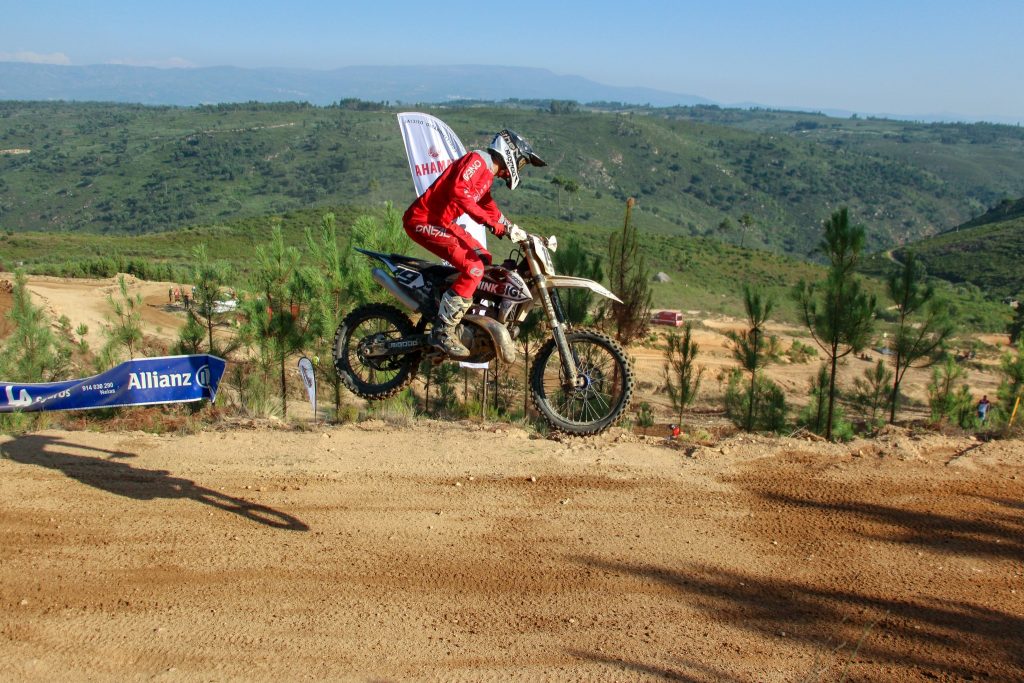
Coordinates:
[602,391]
[366,376]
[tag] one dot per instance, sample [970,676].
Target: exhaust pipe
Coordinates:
[388,283]
[503,345]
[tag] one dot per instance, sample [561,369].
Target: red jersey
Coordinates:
[463,188]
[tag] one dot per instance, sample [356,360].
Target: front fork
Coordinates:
[558,332]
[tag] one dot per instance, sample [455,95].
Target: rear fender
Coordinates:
[379,256]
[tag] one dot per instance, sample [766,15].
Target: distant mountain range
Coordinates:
[396,84]
[406,84]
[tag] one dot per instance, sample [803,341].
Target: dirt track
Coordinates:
[459,552]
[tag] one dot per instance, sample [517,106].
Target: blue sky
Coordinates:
[910,58]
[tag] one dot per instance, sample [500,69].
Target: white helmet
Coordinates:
[513,152]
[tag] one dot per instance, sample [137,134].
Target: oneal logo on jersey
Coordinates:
[158,380]
[473,168]
[433,167]
[431,231]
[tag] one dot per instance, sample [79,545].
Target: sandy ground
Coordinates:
[423,550]
[454,551]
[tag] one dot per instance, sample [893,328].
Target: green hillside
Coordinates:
[1006,210]
[705,274]
[987,252]
[118,169]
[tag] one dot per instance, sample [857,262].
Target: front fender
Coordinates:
[556,281]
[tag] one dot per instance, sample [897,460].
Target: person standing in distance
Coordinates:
[983,406]
[465,188]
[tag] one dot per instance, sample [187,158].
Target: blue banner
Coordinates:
[139,382]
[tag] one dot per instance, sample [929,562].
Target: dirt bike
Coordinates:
[581,380]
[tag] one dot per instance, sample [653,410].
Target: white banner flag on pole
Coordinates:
[309,380]
[432,147]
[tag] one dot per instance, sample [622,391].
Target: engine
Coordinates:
[485,305]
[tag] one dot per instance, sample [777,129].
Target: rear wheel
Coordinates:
[603,389]
[374,378]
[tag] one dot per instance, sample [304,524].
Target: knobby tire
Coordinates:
[607,390]
[367,378]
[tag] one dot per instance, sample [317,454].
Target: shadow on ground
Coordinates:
[106,472]
[995,535]
[917,635]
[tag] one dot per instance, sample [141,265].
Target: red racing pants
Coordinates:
[457,247]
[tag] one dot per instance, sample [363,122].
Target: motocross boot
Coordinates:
[444,336]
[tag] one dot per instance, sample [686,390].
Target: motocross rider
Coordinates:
[465,188]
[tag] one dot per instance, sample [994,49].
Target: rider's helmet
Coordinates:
[513,152]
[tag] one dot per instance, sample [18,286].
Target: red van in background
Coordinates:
[673,318]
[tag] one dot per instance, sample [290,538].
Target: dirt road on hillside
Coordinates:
[437,551]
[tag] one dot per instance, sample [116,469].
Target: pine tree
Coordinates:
[753,347]
[340,288]
[279,319]
[915,341]
[210,291]
[1011,388]
[746,223]
[943,389]
[814,413]
[368,232]
[871,392]
[32,352]
[124,326]
[573,259]
[628,276]
[682,377]
[838,313]
[1016,326]
[190,336]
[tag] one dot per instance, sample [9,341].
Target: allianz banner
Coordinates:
[139,382]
